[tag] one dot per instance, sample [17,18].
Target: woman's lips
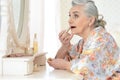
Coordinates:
[73,27]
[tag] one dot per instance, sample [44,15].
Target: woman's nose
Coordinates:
[70,21]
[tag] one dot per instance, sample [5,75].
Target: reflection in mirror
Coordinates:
[16,12]
[18,15]
[18,30]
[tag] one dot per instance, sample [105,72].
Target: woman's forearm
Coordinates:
[67,67]
[61,52]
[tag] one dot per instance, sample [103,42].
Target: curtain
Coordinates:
[18,44]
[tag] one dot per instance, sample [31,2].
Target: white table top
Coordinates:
[45,73]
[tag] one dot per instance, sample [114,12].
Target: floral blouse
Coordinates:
[97,58]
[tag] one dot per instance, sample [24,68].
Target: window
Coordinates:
[3,23]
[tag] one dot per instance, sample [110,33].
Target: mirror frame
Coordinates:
[18,40]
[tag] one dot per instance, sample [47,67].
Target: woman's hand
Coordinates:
[65,38]
[59,64]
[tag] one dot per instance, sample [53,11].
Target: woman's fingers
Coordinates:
[50,62]
[61,33]
[49,59]
[59,64]
[64,36]
[54,63]
[68,38]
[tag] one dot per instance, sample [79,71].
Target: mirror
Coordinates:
[18,15]
[16,12]
[18,38]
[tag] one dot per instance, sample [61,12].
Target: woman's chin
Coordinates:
[74,32]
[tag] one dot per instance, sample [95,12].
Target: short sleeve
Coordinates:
[74,53]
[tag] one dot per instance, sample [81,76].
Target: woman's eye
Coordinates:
[76,16]
[69,15]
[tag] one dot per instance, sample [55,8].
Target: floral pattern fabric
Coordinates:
[97,58]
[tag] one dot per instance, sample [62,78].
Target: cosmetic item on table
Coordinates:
[35,44]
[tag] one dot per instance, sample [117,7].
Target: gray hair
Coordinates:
[91,10]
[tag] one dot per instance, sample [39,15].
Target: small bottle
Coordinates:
[35,44]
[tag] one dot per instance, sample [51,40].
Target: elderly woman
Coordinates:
[96,55]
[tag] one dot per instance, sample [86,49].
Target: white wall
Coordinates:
[36,22]
[52,25]
[65,7]
[110,11]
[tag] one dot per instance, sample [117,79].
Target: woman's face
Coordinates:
[78,20]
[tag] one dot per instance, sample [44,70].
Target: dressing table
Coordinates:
[28,70]
[22,64]
[45,73]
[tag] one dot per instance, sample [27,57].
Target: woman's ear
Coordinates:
[91,21]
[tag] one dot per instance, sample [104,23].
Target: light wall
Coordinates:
[108,8]
[65,6]
[36,22]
